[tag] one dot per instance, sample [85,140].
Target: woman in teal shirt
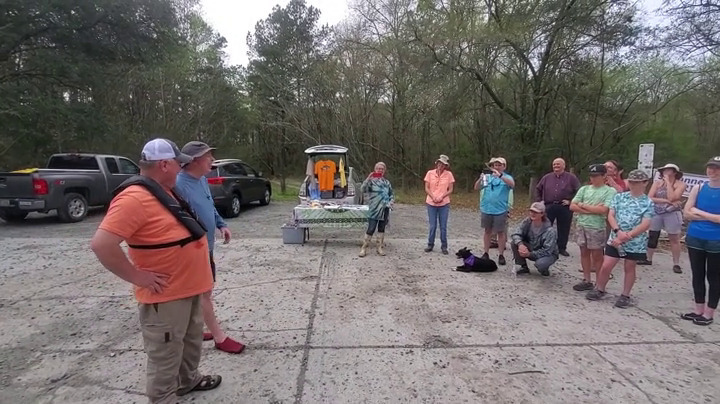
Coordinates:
[380,199]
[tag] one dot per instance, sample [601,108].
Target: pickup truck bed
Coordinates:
[70,185]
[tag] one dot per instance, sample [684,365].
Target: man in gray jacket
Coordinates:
[535,240]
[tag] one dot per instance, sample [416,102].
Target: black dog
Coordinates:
[471,263]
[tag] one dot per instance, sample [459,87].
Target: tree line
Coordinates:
[400,81]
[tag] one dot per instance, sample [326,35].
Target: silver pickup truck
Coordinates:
[70,183]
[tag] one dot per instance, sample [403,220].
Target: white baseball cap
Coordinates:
[163,149]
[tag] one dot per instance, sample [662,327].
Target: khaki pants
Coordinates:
[172,336]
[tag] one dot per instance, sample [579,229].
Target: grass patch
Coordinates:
[291,191]
[461,199]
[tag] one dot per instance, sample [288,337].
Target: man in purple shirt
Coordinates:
[556,190]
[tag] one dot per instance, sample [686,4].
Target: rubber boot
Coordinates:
[366,242]
[381,243]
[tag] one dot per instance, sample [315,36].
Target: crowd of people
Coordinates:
[617,218]
[167,217]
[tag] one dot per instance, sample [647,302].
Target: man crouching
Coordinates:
[535,240]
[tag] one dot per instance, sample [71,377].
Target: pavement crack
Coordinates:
[666,321]
[300,383]
[268,331]
[248,285]
[620,372]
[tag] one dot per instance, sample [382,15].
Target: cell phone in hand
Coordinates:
[376,175]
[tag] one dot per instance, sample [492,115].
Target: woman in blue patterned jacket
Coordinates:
[380,198]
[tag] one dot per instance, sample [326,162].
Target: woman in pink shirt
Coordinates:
[438,187]
[614,176]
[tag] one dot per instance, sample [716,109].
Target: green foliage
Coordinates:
[399,81]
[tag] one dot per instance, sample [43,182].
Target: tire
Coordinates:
[266,199]
[11,215]
[233,209]
[74,208]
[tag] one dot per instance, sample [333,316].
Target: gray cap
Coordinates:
[163,149]
[715,161]
[638,176]
[537,207]
[196,148]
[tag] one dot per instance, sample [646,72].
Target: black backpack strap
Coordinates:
[178,207]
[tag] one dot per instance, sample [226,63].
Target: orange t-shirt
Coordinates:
[325,171]
[438,185]
[139,218]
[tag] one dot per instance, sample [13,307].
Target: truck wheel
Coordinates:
[10,215]
[233,209]
[74,208]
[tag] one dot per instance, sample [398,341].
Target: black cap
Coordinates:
[598,169]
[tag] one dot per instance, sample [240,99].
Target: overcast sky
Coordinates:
[233,19]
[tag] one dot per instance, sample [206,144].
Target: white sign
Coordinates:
[646,154]
[690,181]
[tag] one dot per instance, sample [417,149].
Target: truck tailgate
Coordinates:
[16,185]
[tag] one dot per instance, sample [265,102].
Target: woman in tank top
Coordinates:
[703,242]
[666,193]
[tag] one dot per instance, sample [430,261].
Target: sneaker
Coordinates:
[677,269]
[428,248]
[486,256]
[702,320]
[501,260]
[564,253]
[690,316]
[544,272]
[523,270]
[595,294]
[583,286]
[444,251]
[623,302]
[644,262]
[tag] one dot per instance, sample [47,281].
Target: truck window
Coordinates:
[112,165]
[128,167]
[73,162]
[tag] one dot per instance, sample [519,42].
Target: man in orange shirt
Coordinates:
[169,267]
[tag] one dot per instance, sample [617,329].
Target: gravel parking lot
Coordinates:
[324,326]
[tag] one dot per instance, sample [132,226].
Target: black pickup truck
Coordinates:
[70,184]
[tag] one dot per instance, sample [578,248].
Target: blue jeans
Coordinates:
[435,214]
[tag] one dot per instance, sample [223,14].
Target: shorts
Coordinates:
[212,266]
[671,222]
[497,223]
[711,246]
[592,239]
[611,251]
